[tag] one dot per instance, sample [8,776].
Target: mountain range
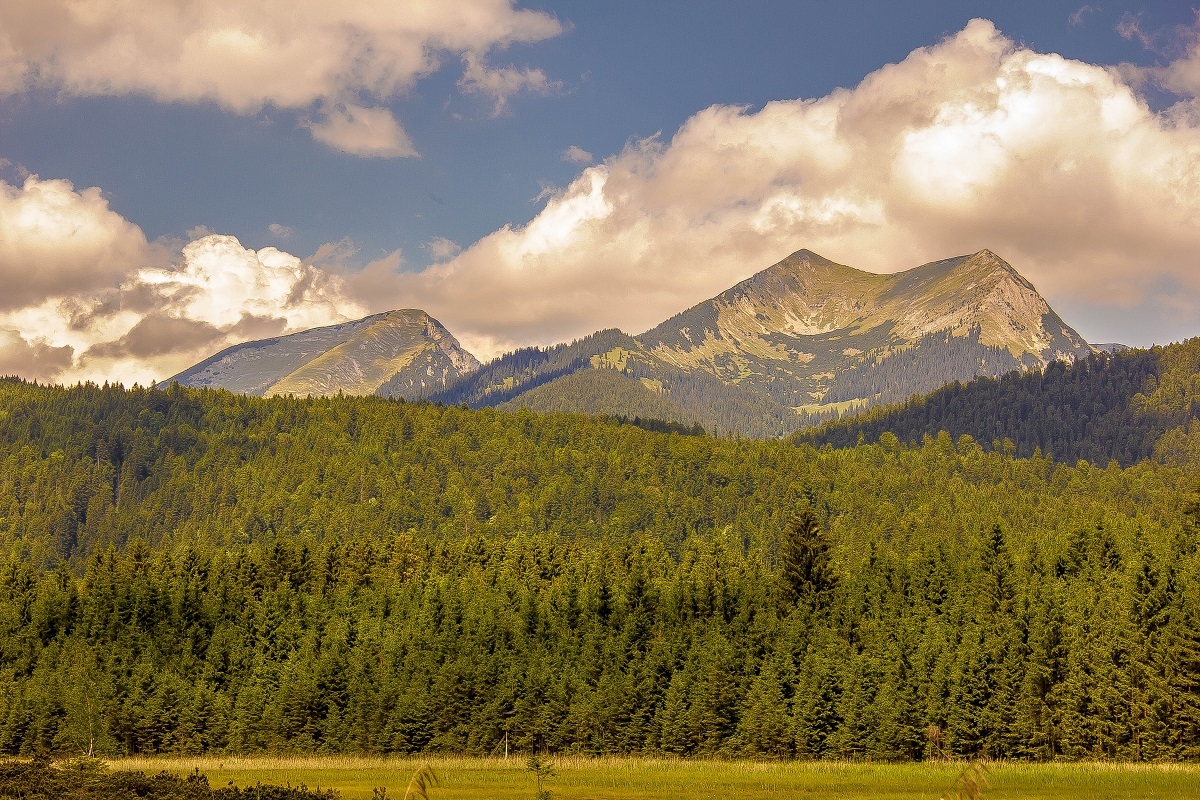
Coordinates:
[804,340]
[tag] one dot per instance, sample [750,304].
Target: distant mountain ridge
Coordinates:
[404,352]
[803,340]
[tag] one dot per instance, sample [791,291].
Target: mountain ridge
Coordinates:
[808,338]
[801,341]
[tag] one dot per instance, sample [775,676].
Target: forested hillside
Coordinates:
[531,367]
[189,571]
[1106,406]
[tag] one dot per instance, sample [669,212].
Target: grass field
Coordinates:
[627,778]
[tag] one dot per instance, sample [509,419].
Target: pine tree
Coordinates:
[808,575]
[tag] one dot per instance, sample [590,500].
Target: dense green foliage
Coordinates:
[1098,408]
[194,571]
[88,467]
[90,780]
[804,557]
[897,373]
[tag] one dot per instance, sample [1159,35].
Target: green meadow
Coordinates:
[627,778]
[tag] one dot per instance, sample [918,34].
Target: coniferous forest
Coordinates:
[1117,406]
[186,571]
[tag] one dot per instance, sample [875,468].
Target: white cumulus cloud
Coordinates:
[442,248]
[54,239]
[368,132]
[220,282]
[248,54]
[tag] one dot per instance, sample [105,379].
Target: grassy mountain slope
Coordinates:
[812,334]
[254,367]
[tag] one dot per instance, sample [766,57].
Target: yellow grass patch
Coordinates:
[617,778]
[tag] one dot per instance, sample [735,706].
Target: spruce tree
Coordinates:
[807,573]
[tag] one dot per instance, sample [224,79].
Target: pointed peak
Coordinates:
[986,256]
[806,261]
[804,254]
[987,262]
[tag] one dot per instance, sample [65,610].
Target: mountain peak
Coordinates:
[403,313]
[810,262]
[987,259]
[804,254]
[965,278]
[804,338]
[403,352]
[807,330]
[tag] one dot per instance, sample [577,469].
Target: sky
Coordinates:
[183,175]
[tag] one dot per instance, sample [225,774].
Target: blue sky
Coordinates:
[476,144]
